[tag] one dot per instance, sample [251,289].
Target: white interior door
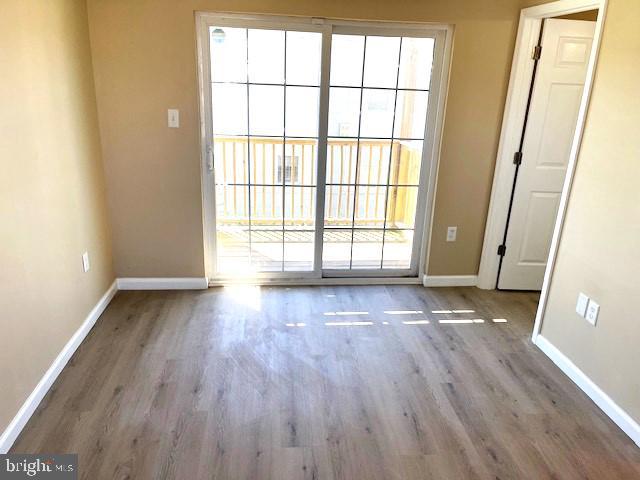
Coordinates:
[549,130]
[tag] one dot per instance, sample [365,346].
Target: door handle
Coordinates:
[210,158]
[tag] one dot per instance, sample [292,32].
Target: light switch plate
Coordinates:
[592,312]
[86,265]
[173,118]
[581,305]
[452,233]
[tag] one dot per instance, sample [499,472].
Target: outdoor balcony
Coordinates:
[266,205]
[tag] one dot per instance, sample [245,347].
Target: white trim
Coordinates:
[169,283]
[595,393]
[514,111]
[316,281]
[441,88]
[571,166]
[562,7]
[321,163]
[450,280]
[206,175]
[33,400]
[262,20]
[512,122]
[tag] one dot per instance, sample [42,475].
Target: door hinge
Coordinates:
[517,158]
[502,249]
[537,50]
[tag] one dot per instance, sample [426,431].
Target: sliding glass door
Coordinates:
[379,88]
[315,139]
[265,98]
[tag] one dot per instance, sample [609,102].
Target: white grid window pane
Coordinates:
[344,112]
[228,54]
[367,249]
[232,243]
[302,111]
[341,160]
[377,113]
[298,250]
[266,207]
[266,56]
[347,53]
[373,161]
[398,245]
[229,104]
[336,251]
[416,61]
[411,114]
[301,155]
[370,206]
[303,58]
[266,110]
[338,210]
[230,160]
[299,207]
[401,207]
[266,155]
[266,249]
[406,162]
[381,62]
[232,203]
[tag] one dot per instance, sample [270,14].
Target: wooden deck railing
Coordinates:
[264,169]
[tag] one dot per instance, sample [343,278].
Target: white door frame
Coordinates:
[514,113]
[431,155]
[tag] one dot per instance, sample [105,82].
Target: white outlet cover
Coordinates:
[173,118]
[452,233]
[581,305]
[86,265]
[592,312]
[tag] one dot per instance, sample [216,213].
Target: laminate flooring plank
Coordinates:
[390,382]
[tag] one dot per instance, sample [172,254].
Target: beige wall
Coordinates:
[145,62]
[589,15]
[600,245]
[51,190]
[52,186]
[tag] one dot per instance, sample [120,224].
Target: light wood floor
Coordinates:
[280,383]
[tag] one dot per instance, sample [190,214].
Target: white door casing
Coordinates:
[555,101]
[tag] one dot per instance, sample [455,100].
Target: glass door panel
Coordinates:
[265,95]
[274,87]
[379,87]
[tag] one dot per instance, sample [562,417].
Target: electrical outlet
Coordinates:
[86,265]
[581,305]
[592,312]
[173,118]
[452,233]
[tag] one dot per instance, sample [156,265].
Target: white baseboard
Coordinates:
[31,403]
[450,280]
[169,283]
[29,406]
[600,398]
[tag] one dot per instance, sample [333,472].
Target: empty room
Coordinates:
[322,239]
